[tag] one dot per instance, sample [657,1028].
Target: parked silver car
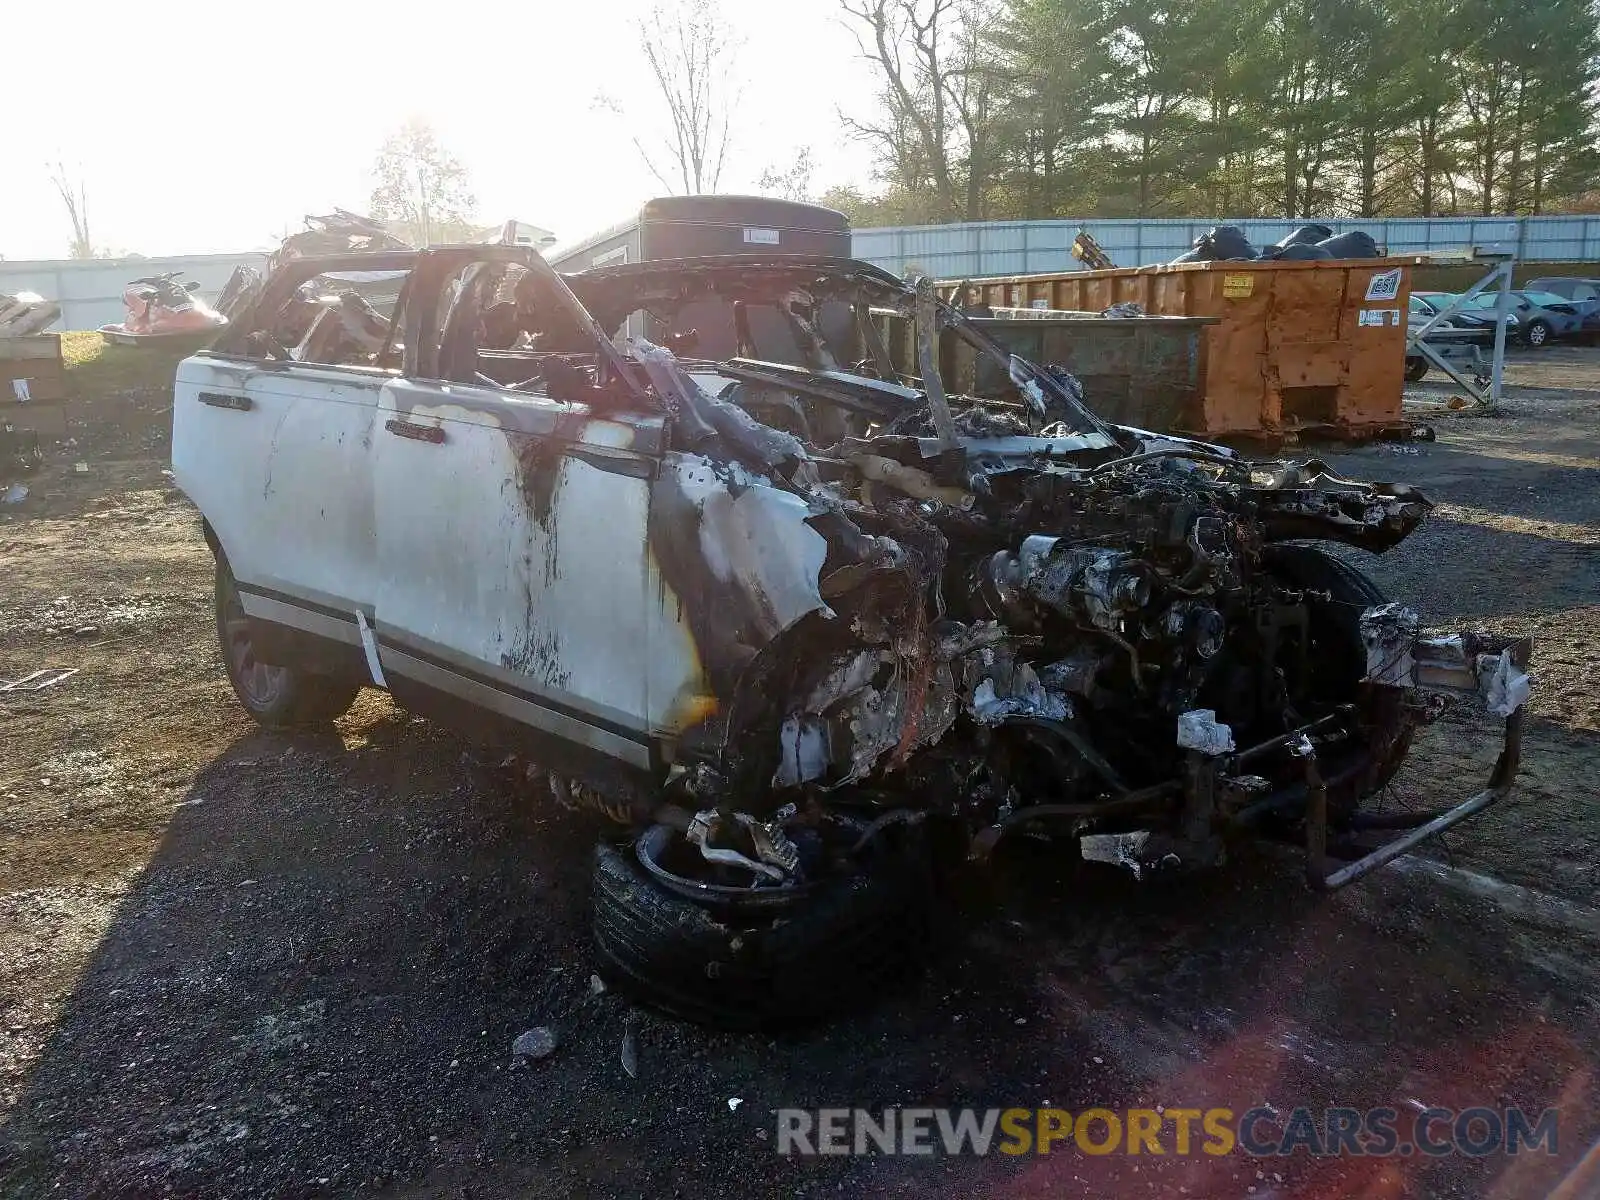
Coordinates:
[1540,316]
[1582,294]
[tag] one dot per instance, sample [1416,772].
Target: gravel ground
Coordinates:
[234,963]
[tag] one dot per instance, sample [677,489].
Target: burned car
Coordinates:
[799,624]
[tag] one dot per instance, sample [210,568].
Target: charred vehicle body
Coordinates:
[792,616]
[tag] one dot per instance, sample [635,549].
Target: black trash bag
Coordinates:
[1354,244]
[1300,252]
[1306,235]
[1221,241]
[1229,241]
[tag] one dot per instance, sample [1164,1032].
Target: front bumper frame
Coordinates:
[1428,827]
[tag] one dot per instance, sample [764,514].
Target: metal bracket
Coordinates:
[1499,786]
[1499,277]
[227,400]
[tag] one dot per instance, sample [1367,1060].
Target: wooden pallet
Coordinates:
[33,384]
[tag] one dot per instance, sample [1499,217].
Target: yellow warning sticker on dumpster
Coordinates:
[1237,287]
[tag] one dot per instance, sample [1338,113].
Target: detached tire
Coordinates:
[1339,649]
[278,696]
[837,945]
[1416,368]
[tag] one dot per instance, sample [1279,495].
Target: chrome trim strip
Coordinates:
[526,712]
[279,612]
[391,639]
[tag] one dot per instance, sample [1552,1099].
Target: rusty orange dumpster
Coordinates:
[1298,347]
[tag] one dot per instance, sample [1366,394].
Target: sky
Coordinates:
[215,126]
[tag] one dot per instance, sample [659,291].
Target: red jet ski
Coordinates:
[164,310]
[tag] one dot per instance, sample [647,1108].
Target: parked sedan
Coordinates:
[1582,294]
[1425,305]
[1540,316]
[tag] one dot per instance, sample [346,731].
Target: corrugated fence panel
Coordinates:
[1036,247]
[875,244]
[1045,260]
[1002,236]
[1006,262]
[90,291]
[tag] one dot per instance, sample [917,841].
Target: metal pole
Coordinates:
[928,363]
[1502,310]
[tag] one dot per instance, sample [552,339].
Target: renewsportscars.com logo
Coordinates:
[1260,1132]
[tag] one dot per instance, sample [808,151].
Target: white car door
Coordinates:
[512,547]
[277,455]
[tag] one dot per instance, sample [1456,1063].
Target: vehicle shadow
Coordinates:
[313,986]
[1514,518]
[1554,573]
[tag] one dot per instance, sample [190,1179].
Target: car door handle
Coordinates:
[420,433]
[226,400]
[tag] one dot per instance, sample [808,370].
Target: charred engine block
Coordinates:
[1151,566]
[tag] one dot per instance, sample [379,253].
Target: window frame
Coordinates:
[281,285]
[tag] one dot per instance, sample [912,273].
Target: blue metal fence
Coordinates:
[1036,247]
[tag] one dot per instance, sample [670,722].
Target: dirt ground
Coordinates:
[235,963]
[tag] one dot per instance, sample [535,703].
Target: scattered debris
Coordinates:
[26,313]
[536,1043]
[39,680]
[630,1053]
[1131,850]
[734,1102]
[15,494]
[1200,730]
[597,986]
[287,1030]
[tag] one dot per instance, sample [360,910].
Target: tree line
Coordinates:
[1026,109]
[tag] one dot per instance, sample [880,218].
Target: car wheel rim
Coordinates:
[262,683]
[1536,335]
[665,855]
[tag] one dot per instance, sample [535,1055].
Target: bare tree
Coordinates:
[422,187]
[933,125]
[693,56]
[74,196]
[791,183]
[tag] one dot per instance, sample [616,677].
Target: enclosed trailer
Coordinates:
[696,226]
[692,227]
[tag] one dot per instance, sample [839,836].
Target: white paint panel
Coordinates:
[573,730]
[286,484]
[470,568]
[754,537]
